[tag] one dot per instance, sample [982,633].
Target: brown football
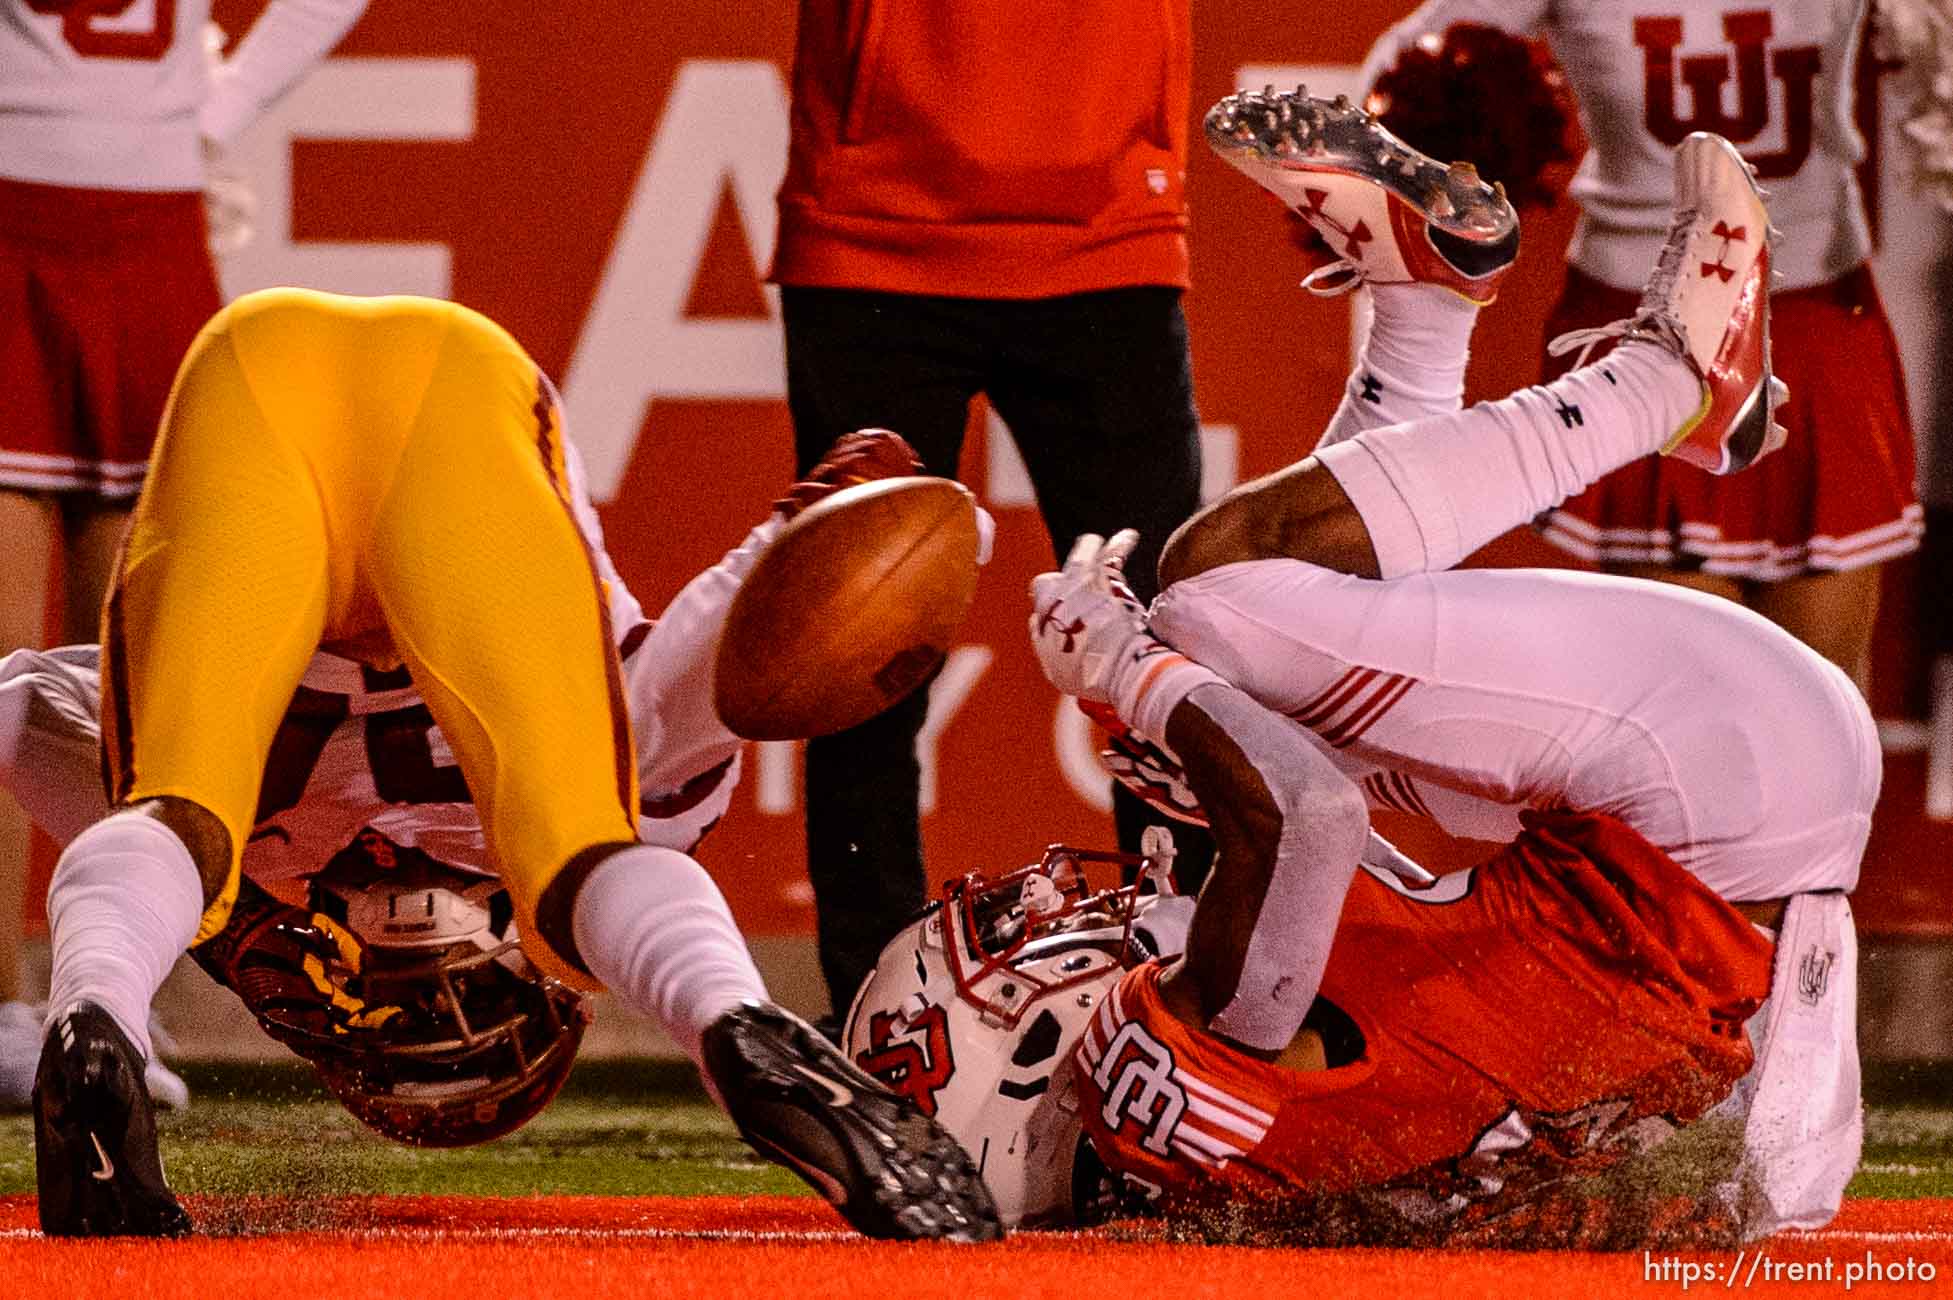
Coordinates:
[849,610]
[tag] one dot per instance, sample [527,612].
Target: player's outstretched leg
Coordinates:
[96,1165]
[1691,376]
[891,1171]
[1428,243]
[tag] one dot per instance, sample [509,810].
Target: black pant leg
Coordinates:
[1098,393]
[857,359]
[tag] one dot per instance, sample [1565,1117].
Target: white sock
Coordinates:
[122,907]
[653,927]
[1433,491]
[1412,363]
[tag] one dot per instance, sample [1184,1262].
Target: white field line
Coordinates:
[538,1233]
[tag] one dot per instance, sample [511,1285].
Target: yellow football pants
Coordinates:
[382,477]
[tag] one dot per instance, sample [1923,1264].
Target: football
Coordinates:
[849,610]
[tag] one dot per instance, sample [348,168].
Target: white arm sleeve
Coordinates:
[1523,18]
[51,737]
[688,763]
[289,37]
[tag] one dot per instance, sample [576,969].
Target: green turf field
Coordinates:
[648,1130]
[618,1129]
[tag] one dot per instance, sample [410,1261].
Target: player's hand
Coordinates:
[291,968]
[1086,625]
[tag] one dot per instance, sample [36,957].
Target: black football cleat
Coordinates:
[95,1160]
[893,1172]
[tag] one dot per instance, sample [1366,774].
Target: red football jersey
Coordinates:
[1519,1022]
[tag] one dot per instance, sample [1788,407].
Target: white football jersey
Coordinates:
[1772,76]
[359,749]
[117,94]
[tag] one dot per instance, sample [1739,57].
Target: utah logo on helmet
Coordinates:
[909,1051]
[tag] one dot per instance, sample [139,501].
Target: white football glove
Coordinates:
[1087,626]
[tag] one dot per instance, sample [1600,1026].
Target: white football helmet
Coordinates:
[972,1011]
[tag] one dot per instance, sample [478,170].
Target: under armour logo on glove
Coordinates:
[1086,625]
[1048,621]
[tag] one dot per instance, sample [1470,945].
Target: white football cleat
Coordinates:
[1708,301]
[1391,214]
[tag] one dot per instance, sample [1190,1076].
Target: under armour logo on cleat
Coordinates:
[1730,236]
[1049,619]
[1569,415]
[1372,390]
[1357,235]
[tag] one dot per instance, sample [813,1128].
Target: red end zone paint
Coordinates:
[591,1248]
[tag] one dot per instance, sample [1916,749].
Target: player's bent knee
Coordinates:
[1301,513]
[201,832]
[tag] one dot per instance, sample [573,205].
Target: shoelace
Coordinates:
[1652,319]
[1322,282]
[1657,326]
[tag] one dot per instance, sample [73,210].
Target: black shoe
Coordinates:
[891,1171]
[95,1159]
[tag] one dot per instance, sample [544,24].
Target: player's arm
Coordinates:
[1289,830]
[1288,826]
[50,737]
[288,38]
[687,762]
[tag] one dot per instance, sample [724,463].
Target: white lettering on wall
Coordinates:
[1078,755]
[636,343]
[776,780]
[947,695]
[348,99]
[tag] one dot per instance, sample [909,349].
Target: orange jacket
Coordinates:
[987,148]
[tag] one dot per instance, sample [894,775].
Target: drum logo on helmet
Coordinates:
[911,1056]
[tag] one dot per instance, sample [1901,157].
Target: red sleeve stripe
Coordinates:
[1221,1117]
[1203,1136]
[1194,1153]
